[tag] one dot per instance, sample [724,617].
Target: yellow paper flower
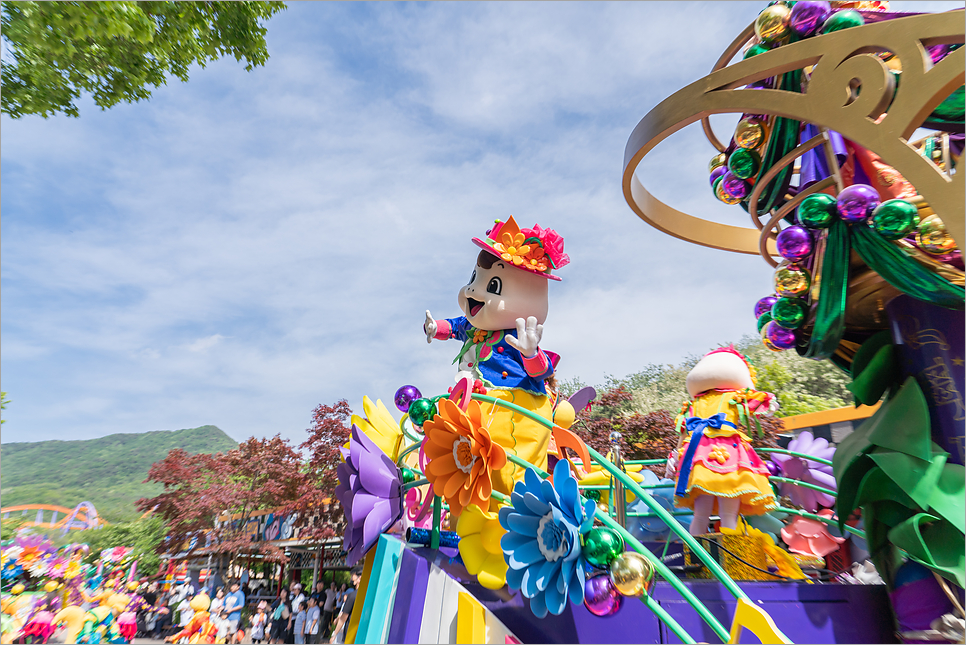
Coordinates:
[720,454]
[380,426]
[480,533]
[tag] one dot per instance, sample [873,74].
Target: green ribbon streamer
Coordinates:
[902,272]
[829,324]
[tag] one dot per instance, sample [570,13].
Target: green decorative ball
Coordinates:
[789,312]
[602,546]
[592,494]
[843,20]
[895,218]
[714,186]
[421,411]
[744,164]
[408,475]
[817,211]
[763,320]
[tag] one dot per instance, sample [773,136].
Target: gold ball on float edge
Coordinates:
[933,237]
[631,573]
[772,23]
[749,133]
[717,161]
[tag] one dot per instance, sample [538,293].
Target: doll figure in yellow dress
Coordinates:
[718,472]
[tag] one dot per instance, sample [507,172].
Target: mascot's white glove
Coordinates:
[671,469]
[429,327]
[528,337]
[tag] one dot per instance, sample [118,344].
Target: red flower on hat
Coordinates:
[552,243]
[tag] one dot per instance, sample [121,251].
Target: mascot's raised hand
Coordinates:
[529,333]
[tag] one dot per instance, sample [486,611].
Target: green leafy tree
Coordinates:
[118,51]
[3,404]
[9,526]
[144,536]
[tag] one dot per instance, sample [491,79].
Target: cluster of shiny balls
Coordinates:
[410,400]
[779,315]
[733,173]
[615,572]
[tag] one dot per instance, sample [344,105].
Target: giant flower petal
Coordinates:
[380,426]
[810,537]
[807,471]
[461,455]
[480,534]
[542,543]
[370,493]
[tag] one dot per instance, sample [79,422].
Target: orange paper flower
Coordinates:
[461,456]
[512,247]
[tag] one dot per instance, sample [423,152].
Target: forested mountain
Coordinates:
[107,471]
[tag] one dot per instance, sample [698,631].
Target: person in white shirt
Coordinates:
[298,598]
[312,622]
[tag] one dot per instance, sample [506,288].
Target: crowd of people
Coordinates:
[319,616]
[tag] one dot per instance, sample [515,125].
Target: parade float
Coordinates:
[480,516]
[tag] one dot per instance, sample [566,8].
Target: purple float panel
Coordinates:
[407,608]
[930,343]
[806,613]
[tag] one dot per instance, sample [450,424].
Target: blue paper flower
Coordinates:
[650,527]
[542,545]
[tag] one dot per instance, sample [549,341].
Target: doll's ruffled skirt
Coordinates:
[728,467]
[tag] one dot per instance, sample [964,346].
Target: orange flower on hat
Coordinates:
[536,259]
[512,247]
[461,455]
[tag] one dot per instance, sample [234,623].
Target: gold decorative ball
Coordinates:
[933,237]
[631,573]
[772,23]
[717,161]
[792,281]
[750,133]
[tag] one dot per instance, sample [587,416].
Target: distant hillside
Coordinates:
[106,472]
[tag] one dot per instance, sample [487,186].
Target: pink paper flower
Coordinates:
[810,537]
[552,243]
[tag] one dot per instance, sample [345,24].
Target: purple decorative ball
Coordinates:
[794,243]
[734,186]
[601,598]
[405,396]
[808,16]
[764,305]
[717,172]
[779,337]
[856,203]
[774,469]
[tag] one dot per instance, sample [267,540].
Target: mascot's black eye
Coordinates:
[495,286]
[472,277]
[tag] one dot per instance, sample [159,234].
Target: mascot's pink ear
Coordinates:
[461,393]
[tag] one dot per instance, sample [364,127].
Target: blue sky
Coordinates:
[247,245]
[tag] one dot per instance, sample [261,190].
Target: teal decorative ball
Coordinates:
[895,218]
[602,546]
[421,411]
[789,312]
[844,19]
[817,211]
[763,320]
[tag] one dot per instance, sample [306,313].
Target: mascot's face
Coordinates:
[718,370]
[498,293]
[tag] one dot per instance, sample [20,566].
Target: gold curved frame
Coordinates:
[838,59]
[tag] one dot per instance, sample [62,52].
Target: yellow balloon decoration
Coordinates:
[631,573]
[51,585]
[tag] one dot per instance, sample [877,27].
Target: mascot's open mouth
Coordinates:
[474,306]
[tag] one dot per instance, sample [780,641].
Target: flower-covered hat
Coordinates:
[537,250]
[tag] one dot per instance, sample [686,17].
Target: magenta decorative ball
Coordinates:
[405,396]
[601,598]
[856,203]
[794,243]
[764,305]
[808,16]
[774,469]
[778,336]
[734,186]
[717,172]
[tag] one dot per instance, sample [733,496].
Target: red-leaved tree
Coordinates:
[316,502]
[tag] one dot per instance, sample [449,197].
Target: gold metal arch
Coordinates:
[840,61]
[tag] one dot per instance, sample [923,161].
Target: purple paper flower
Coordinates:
[808,471]
[370,492]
